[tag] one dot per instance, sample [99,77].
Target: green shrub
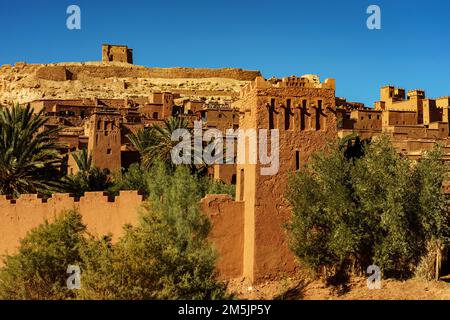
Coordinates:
[376,207]
[166,256]
[39,270]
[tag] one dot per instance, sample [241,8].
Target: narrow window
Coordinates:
[318,114]
[297,160]
[287,114]
[303,115]
[271,111]
[242,186]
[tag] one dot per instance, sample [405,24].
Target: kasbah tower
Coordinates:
[304,111]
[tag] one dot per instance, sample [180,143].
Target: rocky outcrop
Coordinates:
[24,83]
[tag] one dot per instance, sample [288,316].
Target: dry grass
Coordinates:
[298,288]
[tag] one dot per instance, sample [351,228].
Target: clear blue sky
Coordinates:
[280,38]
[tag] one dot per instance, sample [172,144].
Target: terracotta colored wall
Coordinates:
[55,73]
[391,118]
[227,217]
[366,120]
[102,215]
[225,173]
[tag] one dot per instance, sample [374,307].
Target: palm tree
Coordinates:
[88,178]
[29,157]
[141,140]
[83,160]
[155,143]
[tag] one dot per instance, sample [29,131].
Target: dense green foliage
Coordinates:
[364,204]
[155,145]
[38,270]
[88,177]
[29,159]
[166,256]
[139,178]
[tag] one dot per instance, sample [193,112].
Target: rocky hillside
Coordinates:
[23,82]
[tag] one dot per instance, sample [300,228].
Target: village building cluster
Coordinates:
[305,110]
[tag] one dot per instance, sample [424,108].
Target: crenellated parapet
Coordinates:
[101,214]
[308,81]
[104,215]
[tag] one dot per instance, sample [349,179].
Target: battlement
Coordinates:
[108,215]
[305,81]
[420,93]
[66,197]
[102,214]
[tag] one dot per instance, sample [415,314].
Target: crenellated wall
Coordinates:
[100,213]
[104,215]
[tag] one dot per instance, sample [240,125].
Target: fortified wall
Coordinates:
[104,215]
[100,213]
[75,72]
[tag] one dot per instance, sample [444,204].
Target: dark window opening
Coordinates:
[241,194]
[271,116]
[297,160]
[318,114]
[287,113]
[303,115]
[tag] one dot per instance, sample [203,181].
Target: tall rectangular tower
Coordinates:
[103,130]
[303,110]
